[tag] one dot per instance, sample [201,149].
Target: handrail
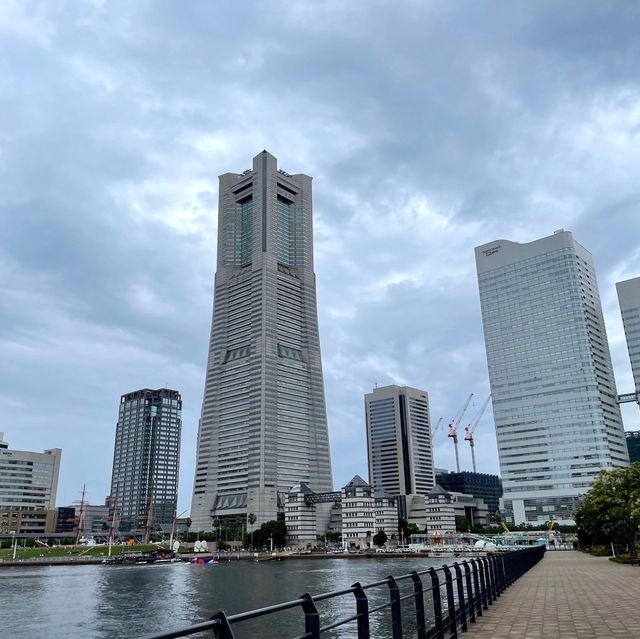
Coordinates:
[460,593]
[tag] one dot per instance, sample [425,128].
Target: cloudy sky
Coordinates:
[429,128]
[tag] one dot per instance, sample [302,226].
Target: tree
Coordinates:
[463,524]
[407,529]
[251,518]
[610,513]
[335,537]
[380,538]
[275,530]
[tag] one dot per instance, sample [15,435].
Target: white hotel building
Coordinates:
[554,395]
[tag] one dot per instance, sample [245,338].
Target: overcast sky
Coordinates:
[429,128]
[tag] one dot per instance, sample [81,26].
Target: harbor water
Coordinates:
[109,602]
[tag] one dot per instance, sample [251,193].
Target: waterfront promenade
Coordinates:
[570,595]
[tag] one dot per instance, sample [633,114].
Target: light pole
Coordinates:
[15,543]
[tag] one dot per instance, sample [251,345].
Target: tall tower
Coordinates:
[554,395]
[399,441]
[146,456]
[263,426]
[629,300]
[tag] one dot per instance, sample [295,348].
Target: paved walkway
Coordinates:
[567,595]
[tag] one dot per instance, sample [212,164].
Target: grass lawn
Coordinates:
[70,551]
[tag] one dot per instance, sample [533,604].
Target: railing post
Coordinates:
[223,629]
[437,603]
[461,600]
[396,610]
[508,560]
[477,598]
[467,577]
[503,585]
[451,604]
[483,584]
[495,591]
[362,610]
[311,616]
[421,630]
[484,562]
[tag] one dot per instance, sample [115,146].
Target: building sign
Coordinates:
[491,251]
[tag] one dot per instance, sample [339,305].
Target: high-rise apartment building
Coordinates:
[146,458]
[28,488]
[629,300]
[554,395]
[399,441]
[263,427]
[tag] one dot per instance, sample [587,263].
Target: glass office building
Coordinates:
[399,441]
[146,458]
[263,427]
[554,395]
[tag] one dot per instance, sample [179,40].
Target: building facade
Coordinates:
[263,426]
[300,518]
[358,514]
[440,512]
[399,441]
[486,487]
[633,445]
[146,459]
[28,488]
[553,390]
[629,300]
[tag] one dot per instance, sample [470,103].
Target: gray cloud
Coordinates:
[428,128]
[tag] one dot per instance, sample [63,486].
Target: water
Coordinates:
[109,602]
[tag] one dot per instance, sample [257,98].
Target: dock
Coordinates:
[570,595]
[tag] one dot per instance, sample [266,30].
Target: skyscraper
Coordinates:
[554,395]
[263,427]
[399,441]
[629,300]
[146,457]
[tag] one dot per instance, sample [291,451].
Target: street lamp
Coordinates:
[14,542]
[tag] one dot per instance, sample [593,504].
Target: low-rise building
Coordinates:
[300,518]
[28,487]
[440,511]
[386,517]
[358,513]
[355,512]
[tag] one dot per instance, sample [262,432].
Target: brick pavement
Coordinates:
[568,595]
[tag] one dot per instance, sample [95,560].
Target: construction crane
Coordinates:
[434,430]
[471,427]
[453,429]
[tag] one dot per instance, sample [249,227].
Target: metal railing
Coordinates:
[458,595]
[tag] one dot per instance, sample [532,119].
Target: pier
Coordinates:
[570,595]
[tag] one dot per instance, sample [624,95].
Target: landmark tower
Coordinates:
[263,426]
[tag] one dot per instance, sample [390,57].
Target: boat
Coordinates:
[159,556]
[204,561]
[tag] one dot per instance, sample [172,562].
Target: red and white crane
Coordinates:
[471,427]
[453,429]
